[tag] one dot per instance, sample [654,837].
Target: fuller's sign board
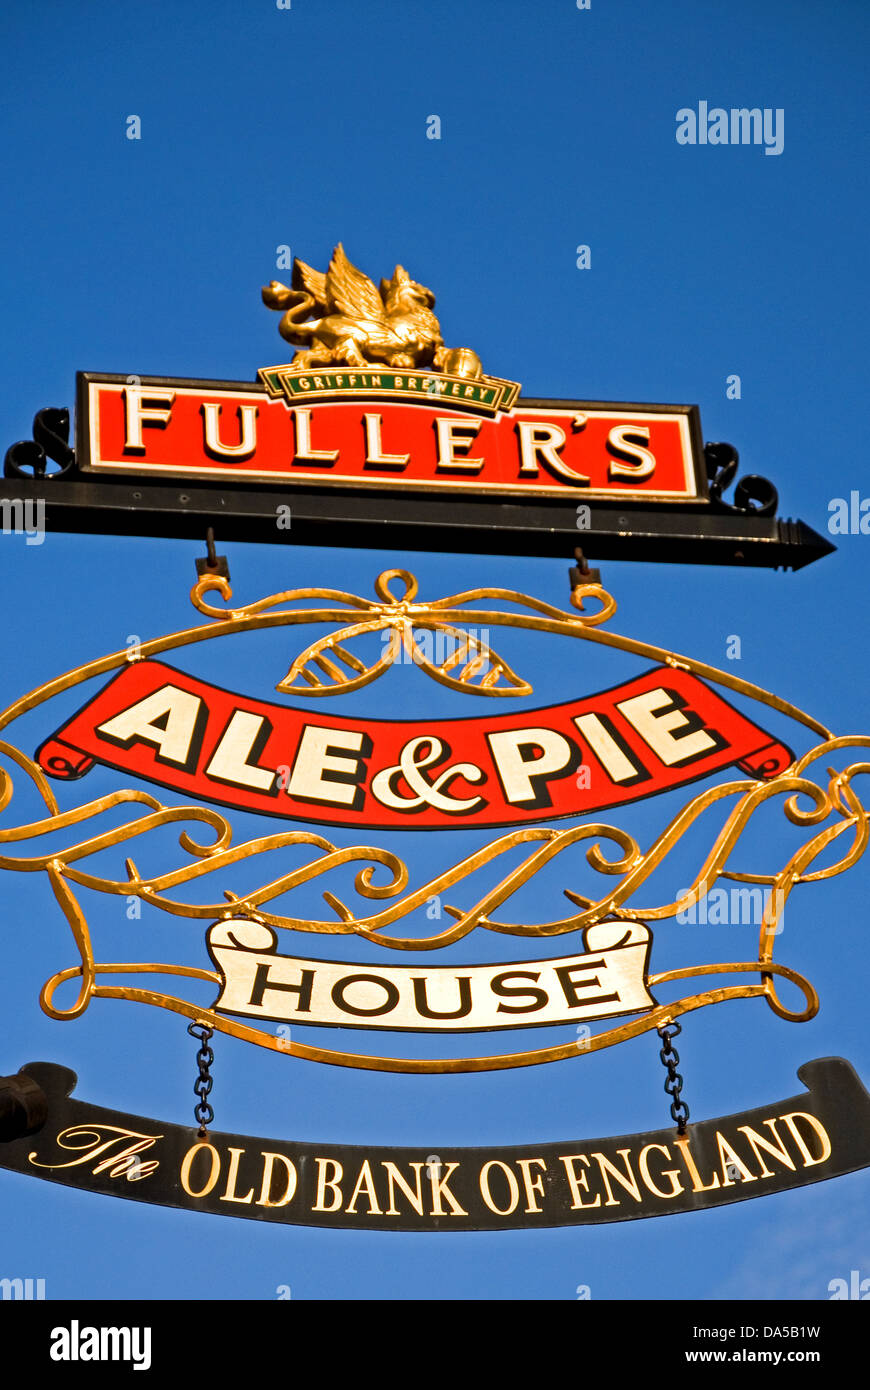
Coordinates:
[377,433]
[418,436]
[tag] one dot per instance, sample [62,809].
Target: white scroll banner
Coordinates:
[606,979]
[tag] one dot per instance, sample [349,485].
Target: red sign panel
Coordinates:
[661,730]
[392,436]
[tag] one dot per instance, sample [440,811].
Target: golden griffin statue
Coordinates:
[341,319]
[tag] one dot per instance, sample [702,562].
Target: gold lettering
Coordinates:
[809,1161]
[365,1182]
[375,456]
[626,1179]
[138,413]
[439,1188]
[323,1182]
[232,1179]
[453,435]
[304,452]
[643,1167]
[187,1164]
[513,1187]
[99,1139]
[541,442]
[125,1163]
[728,1157]
[627,442]
[265,1198]
[686,1155]
[532,1184]
[395,1179]
[758,1141]
[247,444]
[578,1180]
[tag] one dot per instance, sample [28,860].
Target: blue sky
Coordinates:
[263,127]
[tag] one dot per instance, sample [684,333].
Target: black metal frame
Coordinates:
[704,531]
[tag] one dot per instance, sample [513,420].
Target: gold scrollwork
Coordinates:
[828,808]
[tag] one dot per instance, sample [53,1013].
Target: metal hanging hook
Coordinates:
[579,575]
[212,563]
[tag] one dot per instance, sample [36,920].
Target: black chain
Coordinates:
[202,1111]
[674,1083]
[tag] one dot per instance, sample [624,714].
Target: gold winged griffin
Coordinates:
[340,318]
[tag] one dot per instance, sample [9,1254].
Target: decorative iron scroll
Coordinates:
[821,1133]
[827,809]
[27,459]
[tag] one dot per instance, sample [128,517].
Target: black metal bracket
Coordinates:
[581,573]
[753,495]
[28,458]
[23,1106]
[212,563]
[708,531]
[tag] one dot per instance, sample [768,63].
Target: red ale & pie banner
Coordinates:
[661,730]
